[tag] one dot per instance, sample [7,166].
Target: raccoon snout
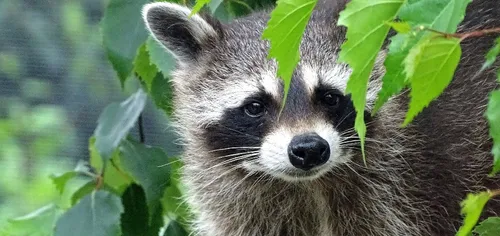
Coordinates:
[308,150]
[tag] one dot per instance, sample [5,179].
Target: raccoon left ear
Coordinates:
[184,36]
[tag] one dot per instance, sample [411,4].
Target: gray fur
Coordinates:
[414,179]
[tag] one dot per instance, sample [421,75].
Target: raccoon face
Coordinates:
[228,98]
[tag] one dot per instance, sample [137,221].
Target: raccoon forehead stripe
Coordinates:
[310,78]
[271,85]
[336,76]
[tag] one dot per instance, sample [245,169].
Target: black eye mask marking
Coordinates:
[237,129]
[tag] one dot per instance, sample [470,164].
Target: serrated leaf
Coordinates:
[97,214]
[444,15]
[366,31]
[472,207]
[492,54]
[159,56]
[116,121]
[38,223]
[394,79]
[493,116]
[123,16]
[430,67]
[61,180]
[400,27]
[143,67]
[162,94]
[135,218]
[489,227]
[284,31]
[175,229]
[146,167]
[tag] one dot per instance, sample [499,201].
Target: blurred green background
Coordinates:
[55,80]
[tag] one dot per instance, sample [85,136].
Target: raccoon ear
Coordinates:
[182,35]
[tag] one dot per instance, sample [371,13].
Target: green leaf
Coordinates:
[162,94]
[116,121]
[441,15]
[144,68]
[198,6]
[159,56]
[493,116]
[284,31]
[400,27]
[472,207]
[366,32]
[83,191]
[175,229]
[444,15]
[430,67]
[61,180]
[213,5]
[114,178]
[38,223]
[492,54]
[394,79]
[97,214]
[135,218]
[489,227]
[120,17]
[239,8]
[221,11]
[146,167]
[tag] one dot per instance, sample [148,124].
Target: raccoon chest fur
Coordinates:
[241,204]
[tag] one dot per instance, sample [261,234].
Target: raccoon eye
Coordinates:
[254,109]
[331,99]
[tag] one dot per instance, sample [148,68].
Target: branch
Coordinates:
[464,35]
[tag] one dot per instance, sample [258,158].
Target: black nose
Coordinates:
[308,150]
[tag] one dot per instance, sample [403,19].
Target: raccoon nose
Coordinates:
[308,150]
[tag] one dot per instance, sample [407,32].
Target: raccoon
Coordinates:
[251,170]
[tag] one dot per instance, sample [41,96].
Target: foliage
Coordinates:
[493,115]
[471,208]
[132,188]
[284,31]
[489,227]
[429,67]
[123,16]
[366,33]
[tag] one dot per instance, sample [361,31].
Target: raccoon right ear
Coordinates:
[184,36]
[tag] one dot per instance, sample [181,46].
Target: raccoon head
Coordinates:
[228,97]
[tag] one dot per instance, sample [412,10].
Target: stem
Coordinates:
[142,138]
[99,182]
[471,34]
[495,192]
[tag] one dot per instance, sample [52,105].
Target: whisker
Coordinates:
[233,148]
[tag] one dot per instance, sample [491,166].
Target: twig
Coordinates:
[462,36]
[494,193]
